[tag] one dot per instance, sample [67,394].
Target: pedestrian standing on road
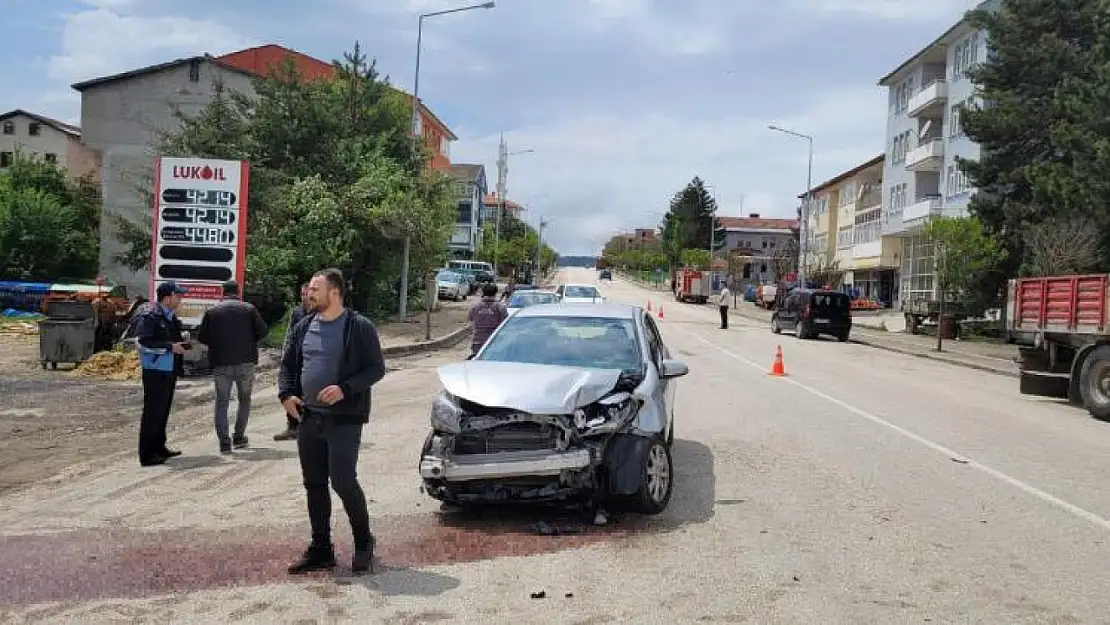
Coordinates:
[723,302]
[485,317]
[332,359]
[161,349]
[232,330]
[300,312]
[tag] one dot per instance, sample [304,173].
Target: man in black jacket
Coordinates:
[300,312]
[161,346]
[232,330]
[331,360]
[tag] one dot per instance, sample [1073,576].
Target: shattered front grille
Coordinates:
[508,437]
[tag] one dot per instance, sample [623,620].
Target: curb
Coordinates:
[896,350]
[450,339]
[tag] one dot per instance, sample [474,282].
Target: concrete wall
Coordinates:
[123,120]
[49,140]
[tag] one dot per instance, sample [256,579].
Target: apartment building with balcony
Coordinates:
[923,142]
[821,226]
[470,185]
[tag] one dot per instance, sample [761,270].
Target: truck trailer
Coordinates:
[1060,324]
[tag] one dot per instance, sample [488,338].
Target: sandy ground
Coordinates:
[52,421]
[864,487]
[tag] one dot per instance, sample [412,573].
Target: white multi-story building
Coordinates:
[923,141]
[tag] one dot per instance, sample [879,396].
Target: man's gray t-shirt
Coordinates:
[322,353]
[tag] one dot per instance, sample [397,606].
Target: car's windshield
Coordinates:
[591,342]
[530,298]
[581,291]
[447,276]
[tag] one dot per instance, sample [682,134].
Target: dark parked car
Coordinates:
[812,312]
[605,275]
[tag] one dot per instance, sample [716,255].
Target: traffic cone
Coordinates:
[660,312]
[777,368]
[649,305]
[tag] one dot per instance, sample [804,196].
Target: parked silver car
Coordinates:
[451,285]
[563,402]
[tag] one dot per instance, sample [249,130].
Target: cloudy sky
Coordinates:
[622,101]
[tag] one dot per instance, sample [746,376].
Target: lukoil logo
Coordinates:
[197,172]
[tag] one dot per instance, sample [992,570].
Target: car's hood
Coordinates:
[538,389]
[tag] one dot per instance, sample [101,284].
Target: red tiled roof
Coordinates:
[491,200]
[757,223]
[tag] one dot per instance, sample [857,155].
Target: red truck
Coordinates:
[1062,327]
[691,285]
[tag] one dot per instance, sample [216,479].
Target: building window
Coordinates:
[50,158]
[6,159]
[9,128]
[844,237]
[34,128]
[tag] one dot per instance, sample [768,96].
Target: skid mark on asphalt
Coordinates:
[1046,497]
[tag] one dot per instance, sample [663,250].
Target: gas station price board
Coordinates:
[200,219]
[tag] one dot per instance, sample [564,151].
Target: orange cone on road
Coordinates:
[777,368]
[660,312]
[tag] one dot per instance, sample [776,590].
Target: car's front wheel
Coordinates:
[657,479]
[775,326]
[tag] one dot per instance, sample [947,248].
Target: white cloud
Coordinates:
[107,39]
[605,172]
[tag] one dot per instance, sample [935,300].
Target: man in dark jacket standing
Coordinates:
[485,317]
[161,346]
[300,312]
[232,330]
[331,360]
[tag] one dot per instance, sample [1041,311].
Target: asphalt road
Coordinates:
[865,487]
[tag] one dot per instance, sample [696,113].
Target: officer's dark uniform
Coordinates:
[157,329]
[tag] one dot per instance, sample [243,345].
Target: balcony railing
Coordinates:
[929,102]
[926,157]
[921,210]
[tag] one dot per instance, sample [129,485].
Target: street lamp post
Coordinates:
[415,123]
[803,249]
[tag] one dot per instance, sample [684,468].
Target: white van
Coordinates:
[469,266]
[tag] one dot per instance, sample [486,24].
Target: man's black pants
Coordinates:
[158,388]
[724,316]
[329,451]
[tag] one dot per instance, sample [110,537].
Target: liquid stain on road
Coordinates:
[84,565]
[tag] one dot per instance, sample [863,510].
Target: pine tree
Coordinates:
[1028,126]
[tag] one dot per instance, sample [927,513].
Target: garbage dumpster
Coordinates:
[68,334]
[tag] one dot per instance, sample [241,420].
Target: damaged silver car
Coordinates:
[564,402]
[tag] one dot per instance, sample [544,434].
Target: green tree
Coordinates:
[690,221]
[695,259]
[1043,126]
[965,255]
[49,225]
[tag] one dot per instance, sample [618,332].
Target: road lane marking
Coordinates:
[1082,513]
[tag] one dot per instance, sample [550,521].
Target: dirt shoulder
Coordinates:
[56,421]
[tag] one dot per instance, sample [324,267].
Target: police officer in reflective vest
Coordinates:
[161,346]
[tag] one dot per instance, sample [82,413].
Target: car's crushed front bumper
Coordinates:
[504,465]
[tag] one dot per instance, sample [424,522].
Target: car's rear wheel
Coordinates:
[657,479]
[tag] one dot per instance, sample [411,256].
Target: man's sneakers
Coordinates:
[288,435]
[239,442]
[314,559]
[323,559]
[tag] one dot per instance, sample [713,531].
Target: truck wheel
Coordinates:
[1094,383]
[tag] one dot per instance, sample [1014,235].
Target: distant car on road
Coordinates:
[579,294]
[523,299]
[563,402]
[812,312]
[450,285]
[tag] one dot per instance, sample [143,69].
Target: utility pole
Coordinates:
[539,248]
[502,175]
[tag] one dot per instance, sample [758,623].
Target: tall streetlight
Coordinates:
[803,249]
[404,296]
[502,190]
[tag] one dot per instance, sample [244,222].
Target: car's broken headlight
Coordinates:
[605,415]
[446,414]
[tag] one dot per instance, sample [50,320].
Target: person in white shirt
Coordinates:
[723,304]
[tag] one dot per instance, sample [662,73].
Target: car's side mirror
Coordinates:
[671,368]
